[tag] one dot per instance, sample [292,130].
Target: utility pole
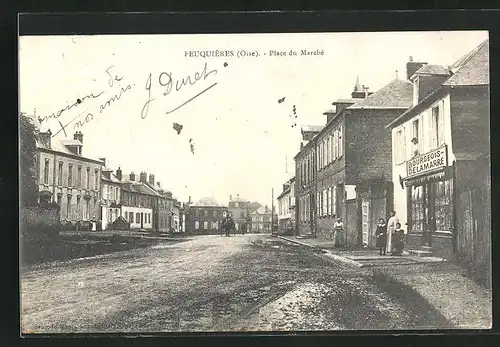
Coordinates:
[272,210]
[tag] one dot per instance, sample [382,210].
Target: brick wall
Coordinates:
[368,145]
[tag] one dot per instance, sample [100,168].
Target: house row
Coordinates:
[206,215]
[87,190]
[418,146]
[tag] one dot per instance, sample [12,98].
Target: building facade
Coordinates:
[286,207]
[68,178]
[205,216]
[240,210]
[138,203]
[441,160]
[261,221]
[163,218]
[305,181]
[111,188]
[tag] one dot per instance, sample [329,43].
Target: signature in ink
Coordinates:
[166,80]
[89,116]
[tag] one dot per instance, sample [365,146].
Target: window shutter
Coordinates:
[340,142]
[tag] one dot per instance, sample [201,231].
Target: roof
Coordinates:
[69,142]
[237,199]
[472,69]
[347,101]
[262,210]
[398,94]
[330,111]
[311,128]
[59,146]
[432,70]
[283,193]
[112,176]
[138,187]
[206,202]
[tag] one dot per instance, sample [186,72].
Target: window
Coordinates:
[442,204]
[215,213]
[88,178]
[334,200]
[216,225]
[46,171]
[68,207]
[109,215]
[325,202]
[70,175]
[329,152]
[418,213]
[117,195]
[341,147]
[107,189]
[79,178]
[149,218]
[59,173]
[415,130]
[400,145]
[96,179]
[88,209]
[59,199]
[78,208]
[325,153]
[242,214]
[437,127]
[196,225]
[205,225]
[236,204]
[137,218]
[332,146]
[131,217]
[205,213]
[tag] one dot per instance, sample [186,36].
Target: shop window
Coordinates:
[443,205]
[417,208]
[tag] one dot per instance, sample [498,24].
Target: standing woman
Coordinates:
[391,226]
[381,235]
[338,228]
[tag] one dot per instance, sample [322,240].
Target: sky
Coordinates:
[243,140]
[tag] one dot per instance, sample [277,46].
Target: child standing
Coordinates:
[398,237]
[381,235]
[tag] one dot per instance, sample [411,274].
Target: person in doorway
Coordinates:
[381,235]
[391,225]
[338,229]
[398,237]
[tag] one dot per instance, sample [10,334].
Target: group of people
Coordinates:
[390,236]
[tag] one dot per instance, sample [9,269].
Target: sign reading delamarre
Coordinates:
[429,161]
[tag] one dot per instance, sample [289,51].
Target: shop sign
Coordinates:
[427,162]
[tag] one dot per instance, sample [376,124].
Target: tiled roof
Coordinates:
[314,128]
[396,95]
[433,70]
[138,187]
[347,101]
[472,69]
[330,111]
[207,202]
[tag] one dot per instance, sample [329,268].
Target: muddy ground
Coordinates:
[214,283]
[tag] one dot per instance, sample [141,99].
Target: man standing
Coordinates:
[391,226]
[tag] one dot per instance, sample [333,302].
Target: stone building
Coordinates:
[286,204]
[354,180]
[261,220]
[138,203]
[441,160]
[111,187]
[164,204]
[240,210]
[68,178]
[204,216]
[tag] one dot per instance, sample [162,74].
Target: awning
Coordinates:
[441,175]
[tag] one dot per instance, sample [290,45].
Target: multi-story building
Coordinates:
[138,203]
[205,216]
[68,178]
[285,207]
[305,185]
[441,159]
[261,220]
[163,212]
[240,210]
[111,188]
[354,179]
[176,216]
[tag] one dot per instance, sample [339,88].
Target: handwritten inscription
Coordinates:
[170,84]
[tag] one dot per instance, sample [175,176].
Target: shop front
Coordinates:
[430,188]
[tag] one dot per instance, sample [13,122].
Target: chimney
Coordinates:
[230,197]
[45,138]
[189,201]
[143,177]
[159,185]
[132,176]
[152,179]
[119,173]
[412,67]
[103,160]
[78,136]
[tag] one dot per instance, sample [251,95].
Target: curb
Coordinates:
[327,253]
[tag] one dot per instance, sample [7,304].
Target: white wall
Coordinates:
[425,145]
[148,223]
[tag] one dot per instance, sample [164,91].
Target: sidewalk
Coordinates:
[463,302]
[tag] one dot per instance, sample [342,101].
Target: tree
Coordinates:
[255,206]
[27,161]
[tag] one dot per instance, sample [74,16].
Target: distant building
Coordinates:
[138,203]
[111,187]
[205,216]
[164,205]
[441,159]
[286,205]
[261,220]
[68,178]
[240,210]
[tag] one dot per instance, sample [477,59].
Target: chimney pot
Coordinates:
[119,173]
[132,176]
[410,59]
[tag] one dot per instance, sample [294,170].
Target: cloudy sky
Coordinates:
[242,137]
